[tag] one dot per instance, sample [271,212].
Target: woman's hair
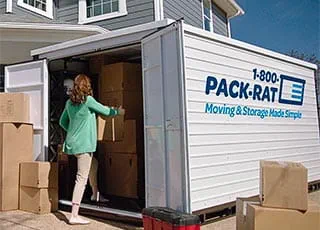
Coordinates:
[81,89]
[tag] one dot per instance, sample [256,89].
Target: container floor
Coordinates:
[117,203]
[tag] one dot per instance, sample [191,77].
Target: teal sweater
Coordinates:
[79,121]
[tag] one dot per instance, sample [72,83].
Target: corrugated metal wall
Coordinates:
[225,151]
[139,12]
[190,10]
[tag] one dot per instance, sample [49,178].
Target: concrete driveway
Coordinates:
[18,220]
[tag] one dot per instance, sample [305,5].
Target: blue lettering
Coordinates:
[245,110]
[208,108]
[211,84]
[222,88]
[257,90]
[244,90]
[294,115]
[232,93]
[276,113]
[266,94]
[273,93]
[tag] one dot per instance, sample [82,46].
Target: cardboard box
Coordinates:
[16,146]
[129,143]
[241,209]
[121,76]
[63,158]
[131,101]
[255,217]
[119,174]
[96,63]
[39,174]
[38,200]
[110,128]
[284,185]
[14,107]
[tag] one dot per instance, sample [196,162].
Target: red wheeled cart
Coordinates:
[157,218]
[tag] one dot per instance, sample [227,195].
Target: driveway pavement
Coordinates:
[18,220]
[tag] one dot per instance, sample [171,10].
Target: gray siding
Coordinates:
[2,6]
[190,10]
[68,11]
[220,21]
[139,12]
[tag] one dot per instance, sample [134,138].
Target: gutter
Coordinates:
[240,11]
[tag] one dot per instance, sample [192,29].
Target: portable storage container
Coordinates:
[213,108]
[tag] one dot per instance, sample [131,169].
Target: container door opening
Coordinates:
[116,78]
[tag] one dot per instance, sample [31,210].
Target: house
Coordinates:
[30,24]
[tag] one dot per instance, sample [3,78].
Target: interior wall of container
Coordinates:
[225,151]
[90,65]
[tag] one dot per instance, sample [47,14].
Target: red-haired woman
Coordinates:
[79,121]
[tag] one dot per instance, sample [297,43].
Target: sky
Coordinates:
[280,25]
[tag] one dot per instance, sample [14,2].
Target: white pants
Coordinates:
[87,167]
[84,164]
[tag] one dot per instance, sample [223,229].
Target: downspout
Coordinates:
[158,10]
[9,6]
[229,28]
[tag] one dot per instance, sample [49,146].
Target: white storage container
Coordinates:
[213,107]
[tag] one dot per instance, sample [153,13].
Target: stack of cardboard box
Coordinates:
[29,188]
[120,137]
[39,187]
[16,145]
[283,203]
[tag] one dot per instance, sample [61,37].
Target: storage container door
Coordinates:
[165,144]
[32,78]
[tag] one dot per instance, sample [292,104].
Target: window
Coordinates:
[207,15]
[43,7]
[97,10]
[215,19]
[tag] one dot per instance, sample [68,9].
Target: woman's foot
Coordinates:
[78,221]
[101,199]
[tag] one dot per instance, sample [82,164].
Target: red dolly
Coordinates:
[157,218]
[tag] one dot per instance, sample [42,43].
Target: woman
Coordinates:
[79,121]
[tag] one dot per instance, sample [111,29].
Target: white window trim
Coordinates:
[9,6]
[83,13]
[211,18]
[48,13]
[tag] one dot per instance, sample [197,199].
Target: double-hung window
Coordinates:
[97,10]
[214,18]
[42,7]
[207,15]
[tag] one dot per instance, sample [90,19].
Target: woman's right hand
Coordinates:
[121,111]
